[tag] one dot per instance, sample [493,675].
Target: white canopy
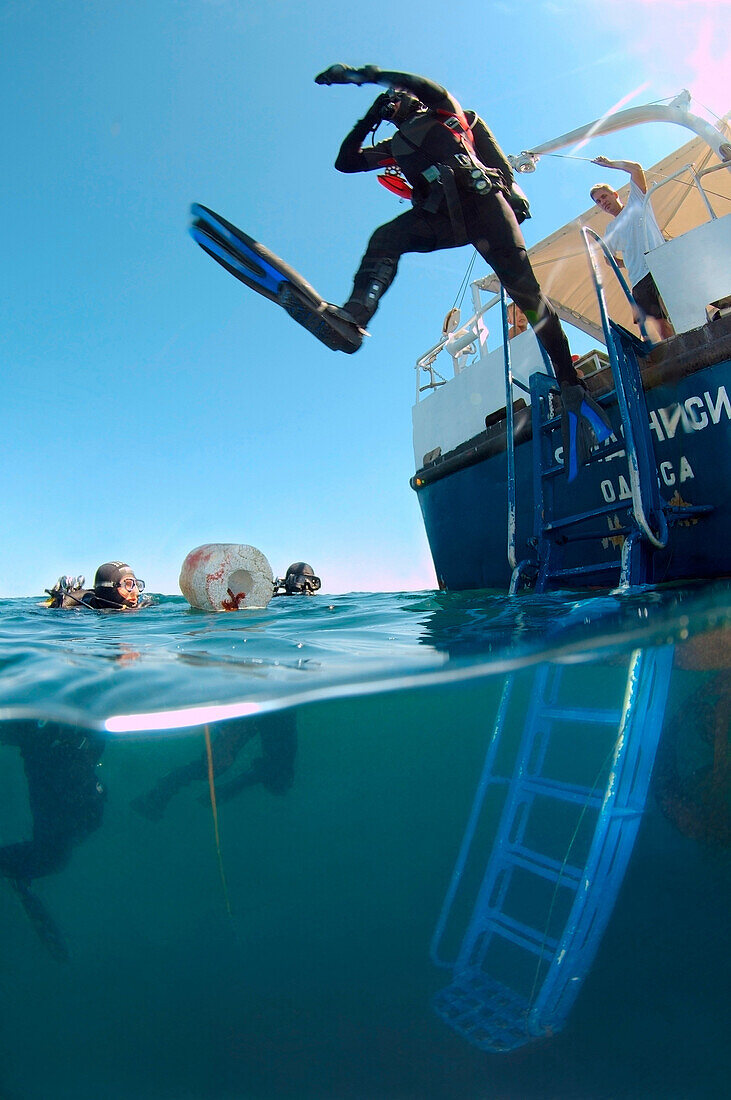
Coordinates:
[562,265]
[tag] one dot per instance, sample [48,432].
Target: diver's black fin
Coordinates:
[45,926]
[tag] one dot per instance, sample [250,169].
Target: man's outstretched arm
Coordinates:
[636,171]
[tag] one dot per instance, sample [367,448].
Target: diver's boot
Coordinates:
[351,319]
[584,425]
[355,312]
[371,282]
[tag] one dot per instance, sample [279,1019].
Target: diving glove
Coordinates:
[344,74]
[338,74]
[583,426]
[374,114]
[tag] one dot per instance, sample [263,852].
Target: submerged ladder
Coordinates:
[644,518]
[540,910]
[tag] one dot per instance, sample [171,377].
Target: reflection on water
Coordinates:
[499,873]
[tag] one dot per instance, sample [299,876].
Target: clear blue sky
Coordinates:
[151,403]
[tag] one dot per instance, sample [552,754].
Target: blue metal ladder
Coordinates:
[643,519]
[539,913]
[645,516]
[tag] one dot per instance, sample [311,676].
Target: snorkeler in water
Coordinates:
[116,588]
[299,580]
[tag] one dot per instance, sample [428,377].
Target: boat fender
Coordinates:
[226,576]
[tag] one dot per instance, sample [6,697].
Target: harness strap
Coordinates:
[464,127]
[442,176]
[454,204]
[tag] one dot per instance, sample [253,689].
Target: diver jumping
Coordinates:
[463,192]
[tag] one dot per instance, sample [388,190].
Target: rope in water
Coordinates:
[212,790]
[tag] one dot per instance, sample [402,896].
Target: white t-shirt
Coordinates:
[633,232]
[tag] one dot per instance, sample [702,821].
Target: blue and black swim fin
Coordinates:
[261,270]
[583,426]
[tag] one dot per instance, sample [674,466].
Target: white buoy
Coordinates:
[224,576]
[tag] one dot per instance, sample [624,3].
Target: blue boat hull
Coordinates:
[465,510]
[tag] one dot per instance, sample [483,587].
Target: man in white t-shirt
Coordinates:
[634,232]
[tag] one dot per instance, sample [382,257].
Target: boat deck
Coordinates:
[680,357]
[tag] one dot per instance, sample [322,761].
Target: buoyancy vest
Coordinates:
[462,143]
[426,141]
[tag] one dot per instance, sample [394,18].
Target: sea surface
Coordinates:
[226,843]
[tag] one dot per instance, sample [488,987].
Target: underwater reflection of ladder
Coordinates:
[558,857]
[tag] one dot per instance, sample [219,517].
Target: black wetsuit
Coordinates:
[447,215]
[65,796]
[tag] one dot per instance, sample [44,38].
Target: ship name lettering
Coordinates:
[721,400]
[620,490]
[695,414]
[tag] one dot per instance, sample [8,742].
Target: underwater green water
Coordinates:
[290,957]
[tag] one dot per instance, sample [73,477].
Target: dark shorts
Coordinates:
[647,296]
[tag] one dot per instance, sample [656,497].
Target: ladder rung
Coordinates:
[530,939]
[581,517]
[602,452]
[596,536]
[596,454]
[675,512]
[674,515]
[567,792]
[558,467]
[540,864]
[598,715]
[583,570]
[485,1011]
[552,471]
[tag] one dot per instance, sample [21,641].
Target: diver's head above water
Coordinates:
[299,580]
[116,587]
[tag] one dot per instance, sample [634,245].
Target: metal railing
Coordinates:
[469,338]
[644,486]
[694,182]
